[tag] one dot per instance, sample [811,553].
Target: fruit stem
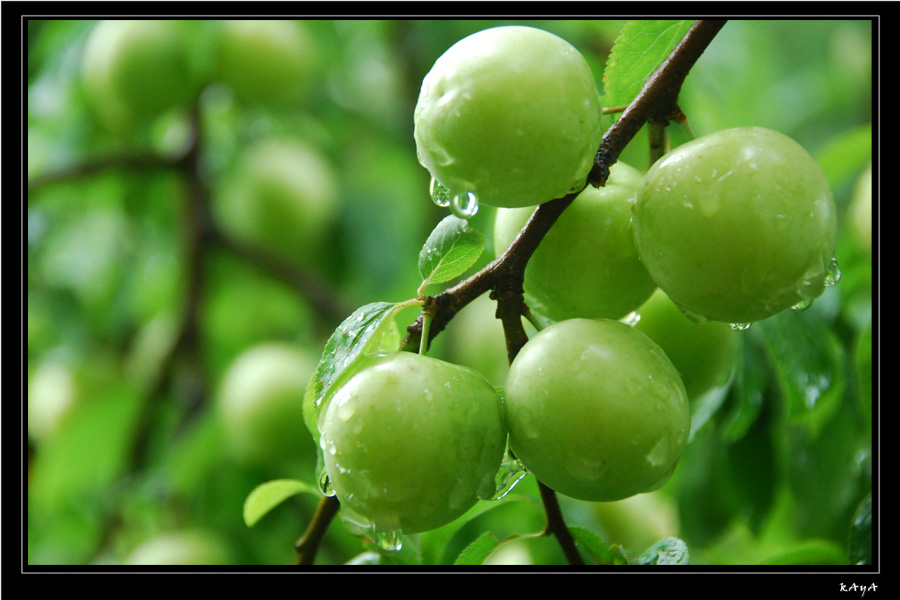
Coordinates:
[308,545]
[426,325]
[659,139]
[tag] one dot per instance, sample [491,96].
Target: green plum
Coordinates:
[703,353]
[260,404]
[737,225]
[510,114]
[266,62]
[595,410]
[411,442]
[281,194]
[137,69]
[587,265]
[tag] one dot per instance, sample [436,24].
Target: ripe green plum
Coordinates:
[737,225]
[510,114]
[587,264]
[260,404]
[595,410]
[411,442]
[267,62]
[281,194]
[137,69]
[703,353]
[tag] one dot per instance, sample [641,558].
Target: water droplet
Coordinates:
[803,304]
[834,273]
[739,326]
[510,474]
[325,484]
[389,541]
[464,205]
[439,194]
[632,318]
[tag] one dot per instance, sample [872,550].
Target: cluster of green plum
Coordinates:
[727,229]
[279,192]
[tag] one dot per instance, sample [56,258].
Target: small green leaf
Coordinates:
[476,552]
[640,48]
[670,551]
[268,495]
[451,249]
[596,547]
[370,329]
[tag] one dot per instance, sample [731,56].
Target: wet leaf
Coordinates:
[369,329]
[451,249]
[670,551]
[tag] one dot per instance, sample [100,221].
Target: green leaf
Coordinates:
[808,362]
[596,547]
[670,551]
[747,392]
[435,542]
[451,249]
[640,48]
[268,495]
[370,329]
[476,552]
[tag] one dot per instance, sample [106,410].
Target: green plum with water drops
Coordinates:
[411,442]
[737,225]
[508,116]
[595,410]
[587,264]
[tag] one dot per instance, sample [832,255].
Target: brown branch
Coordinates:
[119,162]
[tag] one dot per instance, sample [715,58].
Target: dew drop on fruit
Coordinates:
[464,205]
[632,318]
[803,304]
[833,273]
[510,474]
[325,484]
[439,194]
[739,326]
[389,541]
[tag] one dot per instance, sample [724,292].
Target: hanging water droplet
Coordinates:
[834,273]
[464,205]
[325,484]
[632,318]
[803,304]
[439,194]
[389,541]
[511,473]
[739,326]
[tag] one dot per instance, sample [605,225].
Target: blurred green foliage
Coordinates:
[776,475]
